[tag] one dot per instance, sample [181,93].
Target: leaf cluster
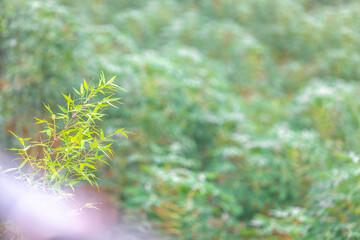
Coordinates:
[72,144]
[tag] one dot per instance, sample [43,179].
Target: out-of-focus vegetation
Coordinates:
[245,112]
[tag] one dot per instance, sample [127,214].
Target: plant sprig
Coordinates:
[73,144]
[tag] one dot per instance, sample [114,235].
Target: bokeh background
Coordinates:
[246,113]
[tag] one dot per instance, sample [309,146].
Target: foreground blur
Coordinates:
[41,216]
[86,214]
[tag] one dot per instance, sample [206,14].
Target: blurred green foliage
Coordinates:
[246,112]
[44,52]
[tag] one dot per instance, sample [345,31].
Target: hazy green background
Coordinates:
[246,113]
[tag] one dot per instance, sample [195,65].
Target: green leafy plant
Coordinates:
[72,144]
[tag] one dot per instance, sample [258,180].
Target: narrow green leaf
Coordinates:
[23,163]
[62,109]
[103,161]
[68,98]
[102,134]
[18,138]
[48,108]
[90,166]
[119,131]
[111,80]
[40,121]
[76,91]
[123,133]
[86,85]
[95,143]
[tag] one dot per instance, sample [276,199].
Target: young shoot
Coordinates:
[72,144]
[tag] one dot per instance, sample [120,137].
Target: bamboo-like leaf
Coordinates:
[103,161]
[48,108]
[76,91]
[68,98]
[102,134]
[111,80]
[119,131]
[90,166]
[96,145]
[86,85]
[62,109]
[23,163]
[40,121]
[18,138]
